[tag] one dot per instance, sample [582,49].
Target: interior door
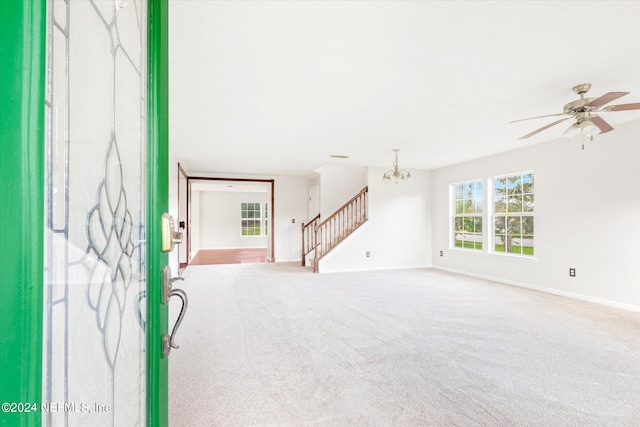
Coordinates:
[105,316]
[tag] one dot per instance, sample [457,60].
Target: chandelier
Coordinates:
[396,174]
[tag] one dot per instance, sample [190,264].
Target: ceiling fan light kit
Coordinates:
[583,111]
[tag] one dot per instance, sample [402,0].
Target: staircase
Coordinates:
[321,237]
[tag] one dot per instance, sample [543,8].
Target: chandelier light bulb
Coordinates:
[396,174]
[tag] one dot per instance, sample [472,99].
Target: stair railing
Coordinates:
[339,225]
[309,237]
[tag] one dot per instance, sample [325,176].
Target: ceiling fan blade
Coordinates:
[606,98]
[538,117]
[602,125]
[543,128]
[623,107]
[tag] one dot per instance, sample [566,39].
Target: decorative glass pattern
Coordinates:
[95,213]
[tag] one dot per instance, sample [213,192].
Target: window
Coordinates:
[266,219]
[251,218]
[513,214]
[467,218]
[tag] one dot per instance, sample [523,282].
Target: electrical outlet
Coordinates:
[368,254]
[441,253]
[572,272]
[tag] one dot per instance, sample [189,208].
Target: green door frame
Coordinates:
[22,83]
[22,124]
[157,204]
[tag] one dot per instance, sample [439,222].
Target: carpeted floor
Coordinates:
[275,345]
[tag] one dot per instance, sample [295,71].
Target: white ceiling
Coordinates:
[276,87]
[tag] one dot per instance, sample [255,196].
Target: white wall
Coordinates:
[338,184]
[397,234]
[195,222]
[220,221]
[587,211]
[291,194]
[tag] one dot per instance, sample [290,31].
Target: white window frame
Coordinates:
[258,218]
[522,219]
[475,202]
[265,219]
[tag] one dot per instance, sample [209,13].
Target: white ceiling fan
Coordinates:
[583,111]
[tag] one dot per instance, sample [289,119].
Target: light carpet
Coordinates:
[276,345]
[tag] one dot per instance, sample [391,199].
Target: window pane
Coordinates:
[478,190]
[459,224]
[514,226]
[515,248]
[527,182]
[500,204]
[514,184]
[468,206]
[514,204]
[478,204]
[499,243]
[527,225]
[499,225]
[527,203]
[499,186]
[468,190]
[458,191]
[469,225]
[459,206]
[477,222]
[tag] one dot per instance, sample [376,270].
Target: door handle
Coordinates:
[168,292]
[168,340]
[170,237]
[167,283]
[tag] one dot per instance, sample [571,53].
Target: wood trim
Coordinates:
[271,205]
[328,234]
[333,215]
[187,237]
[305,238]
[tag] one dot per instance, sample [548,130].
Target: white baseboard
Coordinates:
[616,304]
[350,270]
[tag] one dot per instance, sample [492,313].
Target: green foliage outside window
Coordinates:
[513,214]
[467,199]
[251,219]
